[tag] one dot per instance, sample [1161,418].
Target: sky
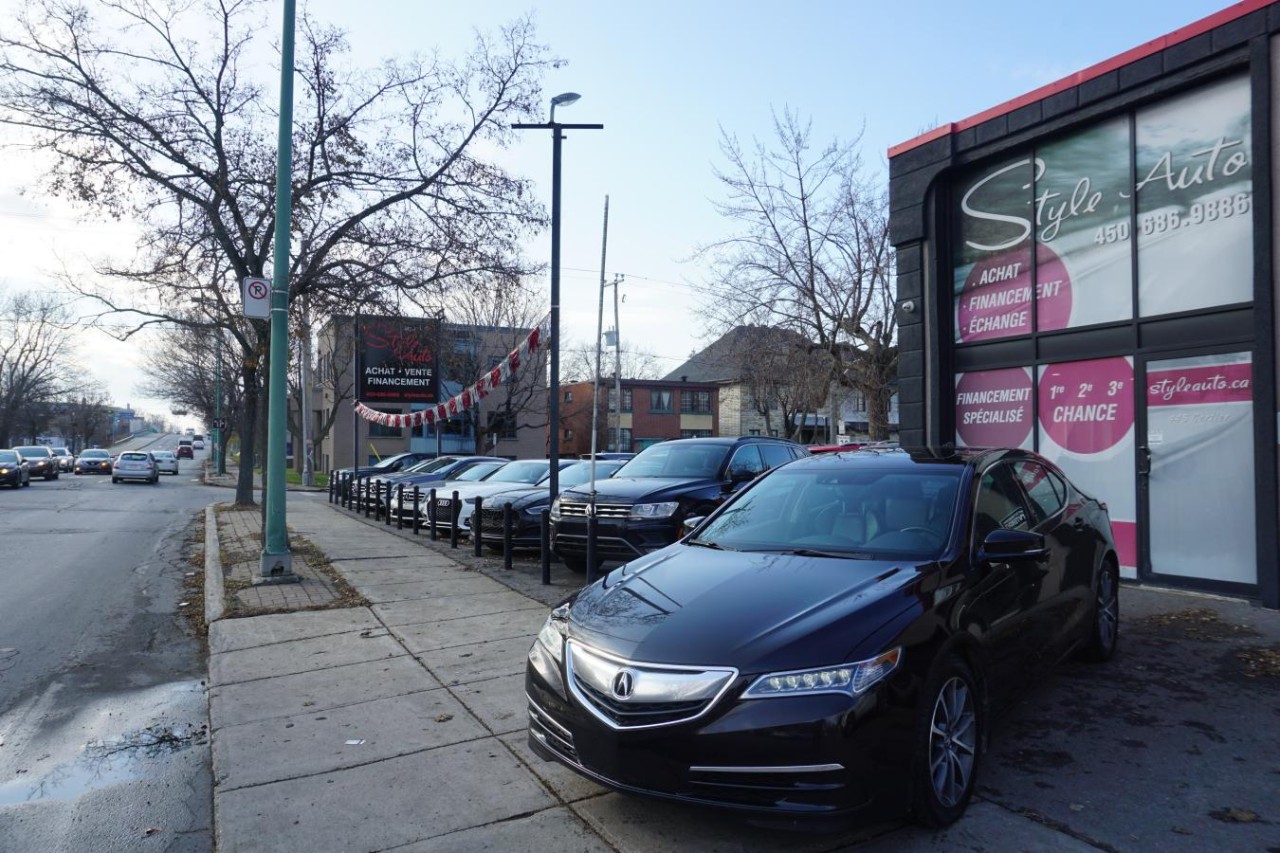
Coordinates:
[665,78]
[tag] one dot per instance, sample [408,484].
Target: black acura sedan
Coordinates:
[829,645]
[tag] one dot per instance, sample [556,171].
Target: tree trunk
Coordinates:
[878,415]
[248,429]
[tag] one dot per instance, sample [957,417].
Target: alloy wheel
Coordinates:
[1108,603]
[953,739]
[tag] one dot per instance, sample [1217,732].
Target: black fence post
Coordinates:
[546,546]
[387,504]
[365,498]
[476,533]
[454,509]
[432,514]
[399,504]
[344,490]
[417,519]
[506,535]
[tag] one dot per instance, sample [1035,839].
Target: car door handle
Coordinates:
[1078,524]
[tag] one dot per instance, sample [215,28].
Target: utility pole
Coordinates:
[308,469]
[617,365]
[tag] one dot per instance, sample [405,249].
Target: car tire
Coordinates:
[115,479]
[1104,628]
[949,738]
[27,483]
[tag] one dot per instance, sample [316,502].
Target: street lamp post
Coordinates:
[553,414]
[276,564]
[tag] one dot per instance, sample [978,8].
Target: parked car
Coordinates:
[389,465]
[14,470]
[834,448]
[135,465]
[66,461]
[93,461]
[527,505]
[166,461]
[641,507]
[40,461]
[472,474]
[522,472]
[831,642]
[438,469]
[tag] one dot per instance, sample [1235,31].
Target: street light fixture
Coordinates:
[563,99]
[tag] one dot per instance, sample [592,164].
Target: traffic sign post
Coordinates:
[257,298]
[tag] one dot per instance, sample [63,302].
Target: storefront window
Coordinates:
[1195,200]
[994,408]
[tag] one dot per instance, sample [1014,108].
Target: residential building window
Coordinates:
[568,435]
[624,440]
[695,433]
[753,432]
[660,400]
[773,432]
[568,396]
[379,431]
[695,401]
[626,399]
[502,424]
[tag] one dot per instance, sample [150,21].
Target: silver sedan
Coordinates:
[166,461]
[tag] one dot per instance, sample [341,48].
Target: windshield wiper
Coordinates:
[704,543]
[814,552]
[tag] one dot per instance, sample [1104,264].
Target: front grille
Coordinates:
[656,695]
[550,733]
[578,509]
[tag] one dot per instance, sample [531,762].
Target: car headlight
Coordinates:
[533,511]
[851,679]
[555,508]
[545,655]
[4,470]
[662,510]
[552,639]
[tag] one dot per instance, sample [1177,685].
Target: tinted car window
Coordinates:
[676,460]
[95,454]
[998,505]
[776,454]
[1045,490]
[134,457]
[576,475]
[746,462]
[480,471]
[30,452]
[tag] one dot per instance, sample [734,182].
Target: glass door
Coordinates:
[1196,471]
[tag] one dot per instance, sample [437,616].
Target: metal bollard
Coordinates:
[387,504]
[417,493]
[431,515]
[400,504]
[365,498]
[546,546]
[344,491]
[506,535]
[330,489]
[476,533]
[591,545]
[454,509]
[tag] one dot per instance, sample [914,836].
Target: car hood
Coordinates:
[758,612]
[636,489]
[520,497]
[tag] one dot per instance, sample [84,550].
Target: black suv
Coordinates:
[642,506]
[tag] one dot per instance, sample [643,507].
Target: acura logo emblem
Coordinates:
[624,684]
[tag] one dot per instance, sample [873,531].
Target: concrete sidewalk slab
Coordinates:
[498,702]
[321,741]
[385,804]
[478,662]
[304,655]
[399,613]
[318,690]
[425,636]
[557,829]
[381,592]
[230,636]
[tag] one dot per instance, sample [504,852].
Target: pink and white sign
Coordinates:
[995,301]
[994,408]
[1188,386]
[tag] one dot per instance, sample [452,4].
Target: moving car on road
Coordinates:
[13,469]
[65,460]
[135,465]
[642,506]
[830,642]
[166,461]
[40,461]
[93,461]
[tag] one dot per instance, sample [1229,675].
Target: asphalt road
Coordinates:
[102,699]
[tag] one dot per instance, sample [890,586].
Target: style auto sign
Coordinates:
[398,361]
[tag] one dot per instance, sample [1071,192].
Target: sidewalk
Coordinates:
[401,725]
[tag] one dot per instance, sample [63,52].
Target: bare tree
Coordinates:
[578,363]
[811,256]
[389,195]
[35,362]
[783,375]
[85,417]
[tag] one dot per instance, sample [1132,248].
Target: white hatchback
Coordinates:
[135,465]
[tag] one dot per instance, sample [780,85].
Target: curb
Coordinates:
[213,596]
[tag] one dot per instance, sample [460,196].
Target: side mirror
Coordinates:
[1009,546]
[689,524]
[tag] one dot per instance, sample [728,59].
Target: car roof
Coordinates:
[909,457]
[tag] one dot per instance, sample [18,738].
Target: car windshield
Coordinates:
[579,473]
[95,454]
[426,466]
[527,471]
[479,471]
[862,511]
[162,454]
[384,464]
[676,460]
[8,457]
[61,451]
[33,451]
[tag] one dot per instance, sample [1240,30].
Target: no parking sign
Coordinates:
[257,298]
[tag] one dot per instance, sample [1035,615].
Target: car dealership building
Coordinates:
[1089,271]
